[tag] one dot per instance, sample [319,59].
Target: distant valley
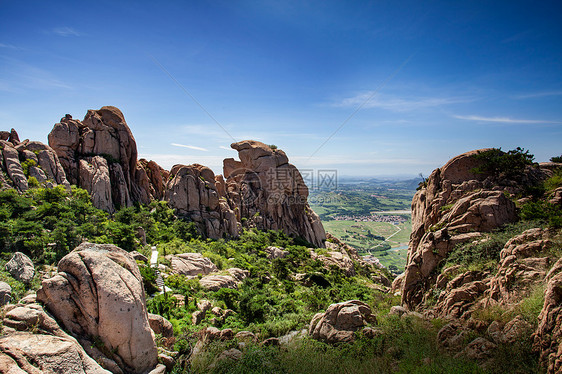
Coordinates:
[371,215]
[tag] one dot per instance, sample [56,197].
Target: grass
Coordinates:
[408,345]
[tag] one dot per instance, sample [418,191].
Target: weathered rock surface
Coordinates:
[456,206]
[548,336]
[269,192]
[98,294]
[40,160]
[523,263]
[215,282]
[191,264]
[340,321]
[5,293]
[21,267]
[33,342]
[160,325]
[192,192]
[119,179]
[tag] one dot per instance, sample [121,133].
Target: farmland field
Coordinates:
[350,213]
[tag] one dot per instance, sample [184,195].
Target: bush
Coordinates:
[485,254]
[502,164]
[556,159]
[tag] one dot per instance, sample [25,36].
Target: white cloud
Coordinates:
[227,148]
[534,95]
[65,31]
[503,120]
[8,46]
[190,147]
[398,104]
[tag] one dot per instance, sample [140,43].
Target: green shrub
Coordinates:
[556,159]
[502,164]
[484,254]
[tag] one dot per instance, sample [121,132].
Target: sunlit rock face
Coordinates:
[269,193]
[99,154]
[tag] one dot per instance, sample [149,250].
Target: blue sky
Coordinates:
[398,87]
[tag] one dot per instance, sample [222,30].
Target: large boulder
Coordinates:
[340,321]
[269,193]
[21,267]
[191,264]
[98,296]
[214,282]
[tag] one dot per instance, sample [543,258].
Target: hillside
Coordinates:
[112,264]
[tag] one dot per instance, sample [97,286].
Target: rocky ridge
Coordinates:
[99,154]
[455,209]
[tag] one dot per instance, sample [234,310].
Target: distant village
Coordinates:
[395,220]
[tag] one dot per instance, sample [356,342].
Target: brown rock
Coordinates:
[160,325]
[5,293]
[192,192]
[548,336]
[21,267]
[340,321]
[191,264]
[98,292]
[37,353]
[12,166]
[452,208]
[270,193]
[103,133]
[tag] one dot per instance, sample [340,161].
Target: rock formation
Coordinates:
[99,154]
[267,192]
[99,297]
[192,192]
[340,321]
[548,337]
[191,264]
[32,342]
[21,267]
[455,206]
[21,160]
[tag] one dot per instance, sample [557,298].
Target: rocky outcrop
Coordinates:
[100,155]
[157,176]
[98,296]
[524,262]
[5,293]
[267,192]
[548,336]
[192,192]
[21,160]
[21,267]
[340,322]
[33,342]
[456,205]
[460,295]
